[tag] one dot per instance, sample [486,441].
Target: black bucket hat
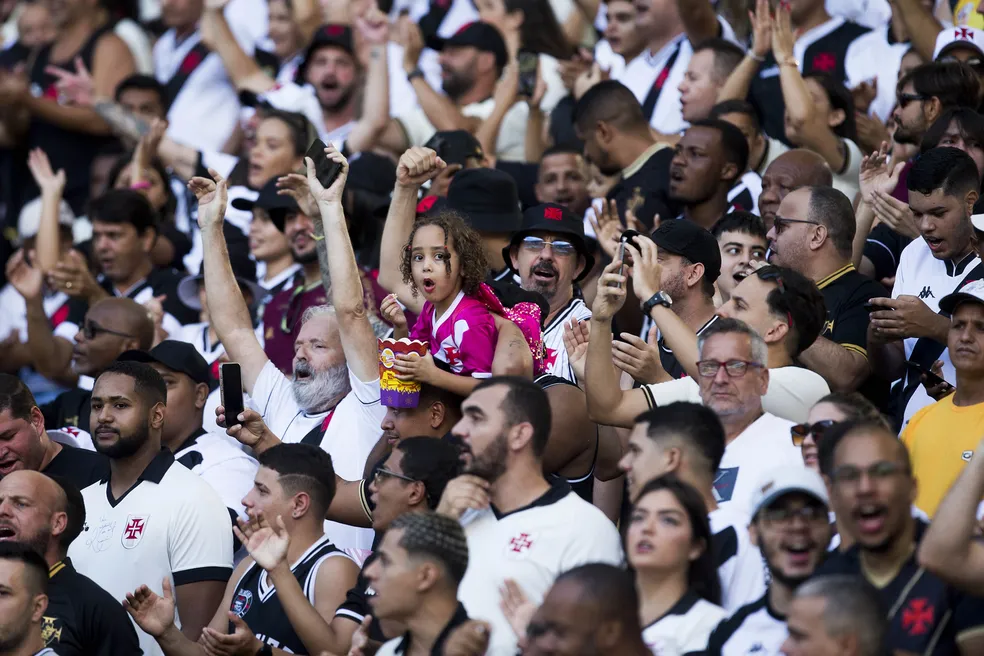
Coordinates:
[550,217]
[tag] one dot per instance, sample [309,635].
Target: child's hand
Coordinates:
[393,315]
[412,367]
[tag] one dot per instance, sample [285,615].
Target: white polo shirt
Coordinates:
[763,446]
[532,546]
[684,628]
[170,524]
[740,566]
[352,432]
[555,353]
[222,464]
[510,145]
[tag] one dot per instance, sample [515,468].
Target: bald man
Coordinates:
[82,618]
[111,326]
[791,170]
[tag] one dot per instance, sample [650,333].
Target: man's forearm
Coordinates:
[843,369]
[921,26]
[76,119]
[175,643]
[52,356]
[440,111]
[376,107]
[601,387]
[122,122]
[887,359]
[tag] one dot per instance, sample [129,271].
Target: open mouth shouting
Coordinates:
[935,243]
[799,552]
[544,273]
[428,285]
[7,532]
[870,518]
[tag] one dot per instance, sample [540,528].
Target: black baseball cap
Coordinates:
[339,36]
[177,356]
[455,146]
[687,239]
[551,217]
[486,198]
[276,205]
[481,36]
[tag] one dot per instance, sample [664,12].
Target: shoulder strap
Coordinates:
[649,104]
[188,65]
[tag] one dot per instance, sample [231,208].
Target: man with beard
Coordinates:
[872,489]
[333,398]
[150,519]
[82,619]
[24,580]
[550,254]
[791,528]
[472,61]
[27,447]
[512,516]
[791,170]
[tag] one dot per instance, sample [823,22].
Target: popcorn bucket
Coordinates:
[395,393]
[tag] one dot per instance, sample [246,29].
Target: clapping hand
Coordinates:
[50,183]
[647,272]
[875,175]
[154,614]
[577,334]
[638,358]
[241,642]
[266,544]
[761,21]
[24,276]
[212,195]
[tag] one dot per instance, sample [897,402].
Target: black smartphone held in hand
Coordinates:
[527,74]
[628,236]
[931,378]
[231,391]
[871,307]
[325,170]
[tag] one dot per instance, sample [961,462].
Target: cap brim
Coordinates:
[243,204]
[783,491]
[958,44]
[950,302]
[580,242]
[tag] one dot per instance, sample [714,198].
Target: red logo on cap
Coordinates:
[963,33]
[553,213]
[425,204]
[334,30]
[464,27]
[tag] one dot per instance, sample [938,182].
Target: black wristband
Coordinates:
[414,74]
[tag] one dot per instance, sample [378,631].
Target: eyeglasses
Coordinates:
[382,474]
[772,273]
[905,98]
[781,222]
[785,516]
[734,368]
[799,432]
[91,330]
[560,248]
[850,475]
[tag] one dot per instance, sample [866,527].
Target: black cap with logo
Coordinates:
[486,198]
[278,206]
[180,357]
[483,37]
[553,218]
[687,239]
[338,36]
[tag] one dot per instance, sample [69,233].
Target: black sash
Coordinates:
[649,105]
[192,60]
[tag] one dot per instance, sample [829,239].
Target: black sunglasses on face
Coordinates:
[799,432]
[91,330]
[905,98]
[782,222]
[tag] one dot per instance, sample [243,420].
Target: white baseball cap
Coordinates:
[785,480]
[29,220]
[959,36]
[972,291]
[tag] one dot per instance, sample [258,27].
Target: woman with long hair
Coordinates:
[668,543]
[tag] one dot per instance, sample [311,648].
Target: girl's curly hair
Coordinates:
[458,236]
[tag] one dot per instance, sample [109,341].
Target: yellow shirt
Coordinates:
[941,439]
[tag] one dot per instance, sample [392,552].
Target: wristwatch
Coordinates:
[659,298]
[414,74]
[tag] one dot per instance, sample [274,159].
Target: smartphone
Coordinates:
[931,378]
[871,307]
[325,169]
[231,391]
[527,73]
[621,258]
[628,236]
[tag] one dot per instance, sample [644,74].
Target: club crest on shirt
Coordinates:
[51,630]
[724,483]
[102,535]
[520,544]
[242,602]
[136,525]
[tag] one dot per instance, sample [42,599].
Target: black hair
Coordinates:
[167,212]
[831,208]
[833,436]
[147,383]
[124,206]
[611,102]
[800,301]
[949,169]
[303,468]
[727,56]
[527,402]
[743,222]
[432,461]
[733,142]
[561,149]
[436,537]
[970,125]
[433,394]
[16,397]
[613,591]
[702,576]
[737,107]
[691,424]
[141,83]
[302,133]
[954,84]
[34,564]
[839,98]
[541,31]
[74,509]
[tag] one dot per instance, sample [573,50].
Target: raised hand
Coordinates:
[875,175]
[153,614]
[77,87]
[373,26]
[266,544]
[782,35]
[412,40]
[50,183]
[464,492]
[647,272]
[296,186]
[611,292]
[417,166]
[147,148]
[895,213]
[576,336]
[607,226]
[638,358]
[332,194]
[761,20]
[26,278]
[212,195]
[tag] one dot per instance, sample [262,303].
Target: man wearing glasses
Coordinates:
[813,234]
[871,489]
[789,525]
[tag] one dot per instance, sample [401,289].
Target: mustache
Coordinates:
[544,267]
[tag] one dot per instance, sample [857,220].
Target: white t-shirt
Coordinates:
[921,275]
[792,392]
[555,353]
[846,181]
[870,13]
[222,464]
[13,321]
[353,429]
[532,545]
[763,446]
[754,629]
[170,524]
[739,562]
[684,628]
[510,145]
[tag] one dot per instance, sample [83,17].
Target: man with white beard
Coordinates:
[333,398]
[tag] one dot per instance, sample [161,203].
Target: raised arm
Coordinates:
[843,369]
[740,81]
[374,29]
[52,185]
[242,69]
[440,111]
[921,25]
[416,166]
[227,309]
[504,98]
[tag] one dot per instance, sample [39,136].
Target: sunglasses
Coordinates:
[905,98]
[785,516]
[782,222]
[799,432]
[734,368]
[91,330]
[974,62]
[560,248]
[382,474]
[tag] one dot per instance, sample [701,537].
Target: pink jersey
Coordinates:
[464,337]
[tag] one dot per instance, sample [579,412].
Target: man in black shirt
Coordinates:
[82,619]
[872,491]
[813,233]
[24,581]
[26,446]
